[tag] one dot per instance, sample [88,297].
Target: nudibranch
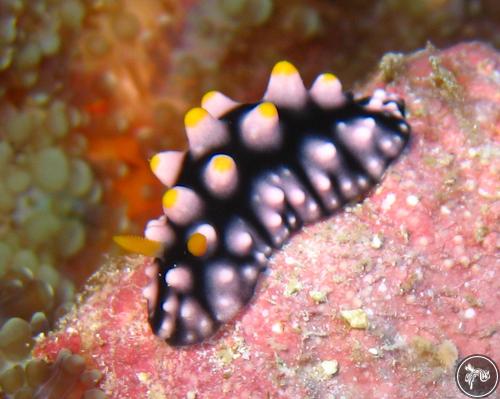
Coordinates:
[253,175]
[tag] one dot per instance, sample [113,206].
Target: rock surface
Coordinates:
[378,301]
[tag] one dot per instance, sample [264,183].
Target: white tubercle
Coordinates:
[217,104]
[238,238]
[285,87]
[381,100]
[393,109]
[358,135]
[204,132]
[347,187]
[323,186]
[273,223]
[195,319]
[260,128]
[225,290]
[158,230]
[250,273]
[388,143]
[270,194]
[363,183]
[150,292]
[166,328]
[374,165]
[180,279]
[300,200]
[327,91]
[170,306]
[377,99]
[167,165]
[322,154]
[320,180]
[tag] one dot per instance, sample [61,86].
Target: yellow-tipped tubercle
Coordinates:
[209,95]
[268,110]
[170,198]
[154,162]
[223,163]
[328,77]
[197,244]
[139,245]
[194,116]
[284,68]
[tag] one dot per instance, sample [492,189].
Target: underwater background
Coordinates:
[91,89]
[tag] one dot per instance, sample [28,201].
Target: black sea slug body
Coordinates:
[253,175]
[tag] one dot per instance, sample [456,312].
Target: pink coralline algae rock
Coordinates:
[378,301]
